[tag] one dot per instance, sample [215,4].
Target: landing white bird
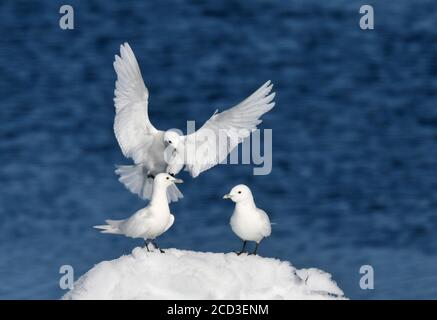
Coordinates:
[150,222]
[248,222]
[146,145]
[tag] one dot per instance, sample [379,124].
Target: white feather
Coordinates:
[151,221]
[141,141]
[235,124]
[132,126]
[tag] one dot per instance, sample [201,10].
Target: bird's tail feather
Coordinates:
[112,226]
[136,180]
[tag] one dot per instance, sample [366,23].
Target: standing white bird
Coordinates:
[150,222]
[248,222]
[146,145]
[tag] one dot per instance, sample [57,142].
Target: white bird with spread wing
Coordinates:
[147,146]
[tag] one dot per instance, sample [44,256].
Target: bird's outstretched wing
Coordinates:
[202,148]
[132,126]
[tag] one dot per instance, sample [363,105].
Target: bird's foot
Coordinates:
[146,245]
[157,248]
[240,252]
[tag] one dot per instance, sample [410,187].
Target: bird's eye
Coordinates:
[239,191]
[169,141]
[168,178]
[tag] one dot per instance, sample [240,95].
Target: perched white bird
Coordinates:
[151,221]
[248,222]
[146,145]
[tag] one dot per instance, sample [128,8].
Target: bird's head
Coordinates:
[239,193]
[171,138]
[166,180]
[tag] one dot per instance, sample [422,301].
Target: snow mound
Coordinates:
[179,274]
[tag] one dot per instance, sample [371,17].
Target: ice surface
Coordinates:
[179,274]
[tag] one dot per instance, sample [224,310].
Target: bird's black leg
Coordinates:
[244,247]
[154,243]
[147,245]
[151,176]
[256,248]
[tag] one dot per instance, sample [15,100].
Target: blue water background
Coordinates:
[354,177]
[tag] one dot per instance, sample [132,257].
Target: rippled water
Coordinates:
[354,133]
